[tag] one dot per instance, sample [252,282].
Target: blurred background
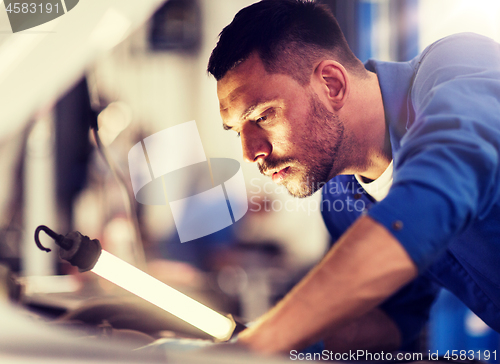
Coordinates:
[134,69]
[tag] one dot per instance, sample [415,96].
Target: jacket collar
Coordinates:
[395,79]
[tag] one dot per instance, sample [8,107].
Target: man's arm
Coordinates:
[364,267]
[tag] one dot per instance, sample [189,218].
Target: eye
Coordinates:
[238,135]
[268,114]
[261,119]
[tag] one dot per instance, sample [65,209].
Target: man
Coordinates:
[422,138]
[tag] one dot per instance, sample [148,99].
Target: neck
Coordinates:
[369,130]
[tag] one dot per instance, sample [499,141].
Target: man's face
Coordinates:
[283,126]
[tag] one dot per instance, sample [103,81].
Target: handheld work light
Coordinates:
[87,255]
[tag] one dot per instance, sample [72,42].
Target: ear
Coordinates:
[331,81]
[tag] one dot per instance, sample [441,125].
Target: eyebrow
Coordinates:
[250,110]
[246,113]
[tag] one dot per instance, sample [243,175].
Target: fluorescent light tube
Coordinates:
[158,293]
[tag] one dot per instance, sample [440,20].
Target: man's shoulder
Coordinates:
[459,48]
[462,38]
[462,58]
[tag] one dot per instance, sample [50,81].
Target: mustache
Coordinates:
[275,164]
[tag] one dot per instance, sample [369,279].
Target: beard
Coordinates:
[318,148]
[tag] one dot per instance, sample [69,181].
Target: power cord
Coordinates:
[138,249]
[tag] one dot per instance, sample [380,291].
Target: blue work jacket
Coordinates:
[442,111]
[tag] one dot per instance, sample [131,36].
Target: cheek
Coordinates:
[300,134]
[282,136]
[298,120]
[290,127]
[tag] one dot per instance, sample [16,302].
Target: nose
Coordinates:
[255,146]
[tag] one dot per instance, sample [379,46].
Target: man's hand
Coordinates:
[364,268]
[374,331]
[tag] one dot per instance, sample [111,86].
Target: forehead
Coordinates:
[243,79]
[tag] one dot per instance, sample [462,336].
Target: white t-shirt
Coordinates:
[378,188]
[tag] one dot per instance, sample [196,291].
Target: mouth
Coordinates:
[280,175]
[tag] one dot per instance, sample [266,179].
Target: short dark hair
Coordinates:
[289,37]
